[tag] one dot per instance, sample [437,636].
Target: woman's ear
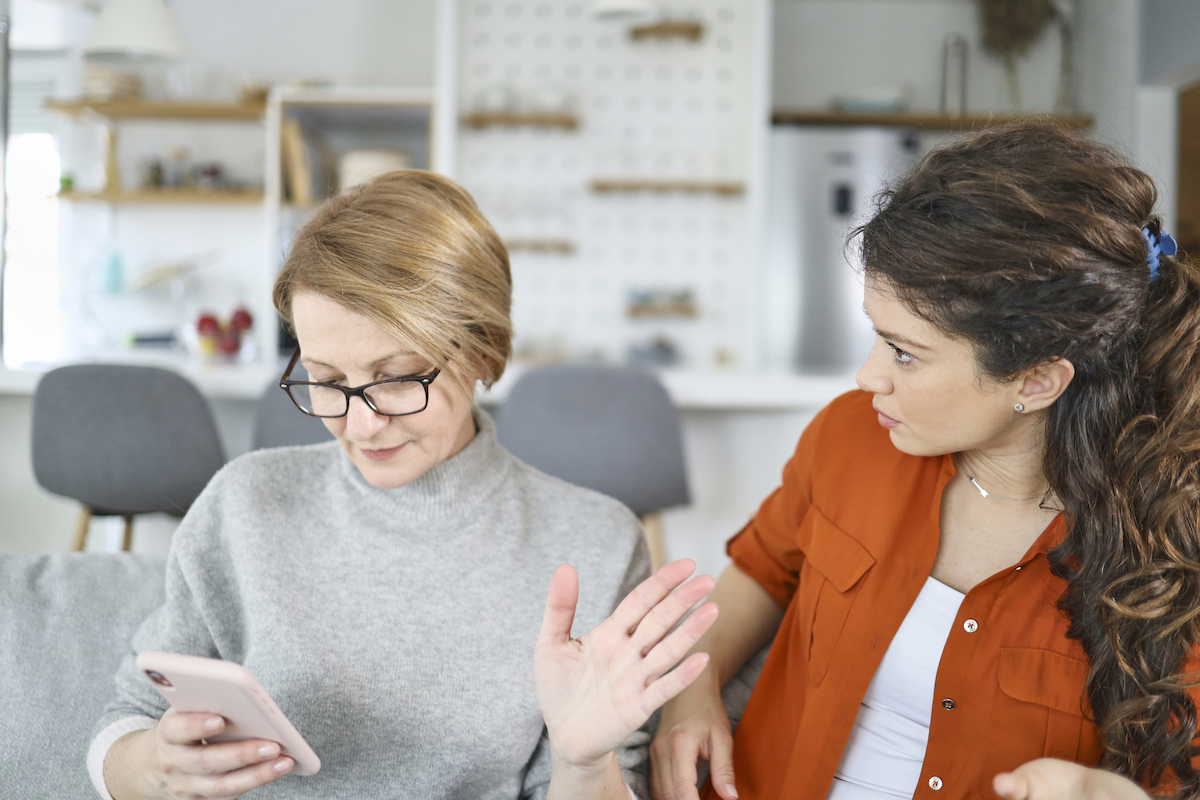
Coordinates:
[485,370]
[1045,383]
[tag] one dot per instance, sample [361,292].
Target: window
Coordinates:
[32,167]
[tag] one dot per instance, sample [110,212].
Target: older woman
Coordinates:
[387,589]
[982,571]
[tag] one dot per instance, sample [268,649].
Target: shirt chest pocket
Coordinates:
[830,578]
[1039,712]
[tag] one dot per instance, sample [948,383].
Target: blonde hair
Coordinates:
[410,251]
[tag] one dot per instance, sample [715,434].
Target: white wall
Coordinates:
[1107,66]
[1169,60]
[1169,55]
[824,48]
[349,42]
[1156,147]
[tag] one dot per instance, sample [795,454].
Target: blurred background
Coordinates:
[674,181]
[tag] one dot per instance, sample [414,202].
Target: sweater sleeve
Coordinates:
[177,626]
[633,754]
[766,548]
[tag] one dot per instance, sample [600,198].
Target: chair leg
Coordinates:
[652,525]
[127,544]
[81,529]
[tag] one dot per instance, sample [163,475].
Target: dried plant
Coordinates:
[1010,27]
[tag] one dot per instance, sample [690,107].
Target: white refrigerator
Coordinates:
[823,183]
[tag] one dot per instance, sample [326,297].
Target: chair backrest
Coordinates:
[612,429]
[278,423]
[122,439]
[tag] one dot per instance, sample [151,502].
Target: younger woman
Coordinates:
[982,571]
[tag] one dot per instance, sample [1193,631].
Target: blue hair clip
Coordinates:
[1156,245]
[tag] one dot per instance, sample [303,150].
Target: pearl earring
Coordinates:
[1019,407]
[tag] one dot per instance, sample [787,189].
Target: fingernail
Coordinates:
[283,765]
[212,724]
[268,751]
[731,790]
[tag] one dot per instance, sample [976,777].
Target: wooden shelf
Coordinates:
[662,311]
[931,120]
[378,96]
[561,246]
[149,109]
[485,119]
[727,188]
[171,196]
[669,29]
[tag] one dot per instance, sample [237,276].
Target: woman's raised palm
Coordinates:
[595,691]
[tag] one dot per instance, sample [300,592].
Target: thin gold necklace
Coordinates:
[986,493]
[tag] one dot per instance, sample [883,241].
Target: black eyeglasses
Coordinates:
[394,397]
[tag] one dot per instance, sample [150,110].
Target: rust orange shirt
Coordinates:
[845,545]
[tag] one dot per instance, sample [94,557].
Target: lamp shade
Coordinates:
[128,30]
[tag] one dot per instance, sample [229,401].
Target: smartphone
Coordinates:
[193,683]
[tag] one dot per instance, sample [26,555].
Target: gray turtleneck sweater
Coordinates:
[395,628]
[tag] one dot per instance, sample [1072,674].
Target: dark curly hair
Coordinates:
[1026,241]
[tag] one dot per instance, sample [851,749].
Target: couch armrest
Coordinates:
[66,620]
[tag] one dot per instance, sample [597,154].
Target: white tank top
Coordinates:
[886,748]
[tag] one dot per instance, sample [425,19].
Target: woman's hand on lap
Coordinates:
[594,692]
[1055,779]
[693,726]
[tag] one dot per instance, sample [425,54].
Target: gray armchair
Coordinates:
[278,423]
[611,429]
[122,440]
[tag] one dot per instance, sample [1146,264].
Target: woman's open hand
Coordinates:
[1055,779]
[596,691]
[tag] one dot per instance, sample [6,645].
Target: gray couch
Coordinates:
[65,622]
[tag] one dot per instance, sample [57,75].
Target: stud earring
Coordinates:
[1019,407]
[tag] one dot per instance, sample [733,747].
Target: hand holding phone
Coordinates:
[195,684]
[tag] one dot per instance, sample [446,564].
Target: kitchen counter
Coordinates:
[726,391]
[215,381]
[691,391]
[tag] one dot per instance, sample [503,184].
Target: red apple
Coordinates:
[207,325]
[229,342]
[242,320]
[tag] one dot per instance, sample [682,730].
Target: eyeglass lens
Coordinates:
[392,397]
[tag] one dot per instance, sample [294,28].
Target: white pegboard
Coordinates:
[654,109]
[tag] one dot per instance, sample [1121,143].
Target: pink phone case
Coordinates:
[192,683]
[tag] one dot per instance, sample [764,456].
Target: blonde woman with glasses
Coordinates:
[388,590]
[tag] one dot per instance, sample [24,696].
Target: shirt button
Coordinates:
[935,783]
[970,626]
[948,704]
